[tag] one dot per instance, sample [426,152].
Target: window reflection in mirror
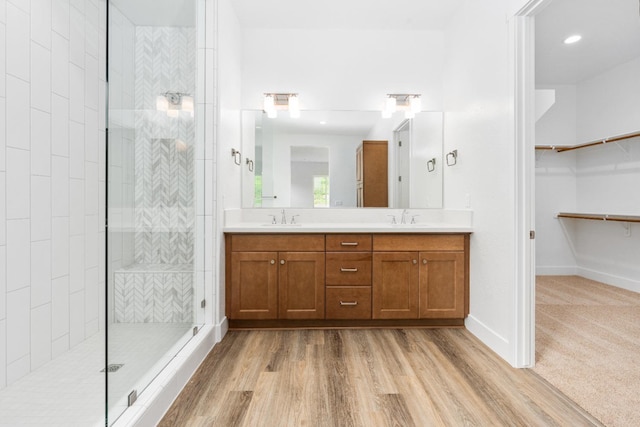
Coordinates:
[289,153]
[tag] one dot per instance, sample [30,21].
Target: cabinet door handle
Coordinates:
[348,270]
[349,243]
[424,261]
[281,262]
[348,302]
[273,261]
[415,261]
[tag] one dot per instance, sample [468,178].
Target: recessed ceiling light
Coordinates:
[572,39]
[323,122]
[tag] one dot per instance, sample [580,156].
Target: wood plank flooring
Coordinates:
[358,377]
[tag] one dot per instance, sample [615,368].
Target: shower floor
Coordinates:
[70,390]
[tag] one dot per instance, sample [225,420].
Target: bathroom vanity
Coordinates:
[346,275]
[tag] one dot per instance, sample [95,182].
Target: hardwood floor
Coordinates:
[358,377]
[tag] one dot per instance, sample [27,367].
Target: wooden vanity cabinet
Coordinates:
[285,282]
[359,279]
[420,276]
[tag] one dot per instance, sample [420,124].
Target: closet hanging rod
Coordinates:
[599,217]
[616,138]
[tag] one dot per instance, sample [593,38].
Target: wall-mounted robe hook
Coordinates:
[452,158]
[250,163]
[431,165]
[237,157]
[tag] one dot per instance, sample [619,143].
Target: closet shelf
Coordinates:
[616,138]
[599,217]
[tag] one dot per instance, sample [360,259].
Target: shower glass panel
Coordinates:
[153,292]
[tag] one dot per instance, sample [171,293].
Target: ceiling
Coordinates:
[346,14]
[610,32]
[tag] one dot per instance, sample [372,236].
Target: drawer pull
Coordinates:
[348,270]
[349,243]
[273,261]
[348,302]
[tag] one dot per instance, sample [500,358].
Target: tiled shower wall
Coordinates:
[51,179]
[165,61]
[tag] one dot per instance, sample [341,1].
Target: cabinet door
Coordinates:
[254,285]
[395,285]
[442,285]
[301,285]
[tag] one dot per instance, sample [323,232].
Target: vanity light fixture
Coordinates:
[174,102]
[273,102]
[573,39]
[407,102]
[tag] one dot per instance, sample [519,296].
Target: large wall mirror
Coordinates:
[310,161]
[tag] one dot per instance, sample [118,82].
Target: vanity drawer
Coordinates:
[348,268]
[348,242]
[348,302]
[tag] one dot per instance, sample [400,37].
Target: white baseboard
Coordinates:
[489,337]
[610,279]
[545,270]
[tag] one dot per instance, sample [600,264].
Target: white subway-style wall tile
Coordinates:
[18,49]
[76,37]
[76,267]
[18,254]
[92,297]
[76,150]
[24,5]
[76,207]
[60,17]
[3,13]
[3,287]
[40,336]
[76,93]
[3,352]
[90,135]
[78,4]
[40,143]
[59,186]
[3,212]
[60,308]
[18,368]
[3,55]
[40,81]
[41,22]
[60,65]
[59,125]
[17,324]
[91,82]
[3,143]
[40,273]
[40,208]
[60,247]
[18,116]
[76,318]
[91,184]
[91,241]
[18,178]
[60,345]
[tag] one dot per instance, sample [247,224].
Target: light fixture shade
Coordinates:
[390,104]
[415,104]
[294,107]
[386,114]
[272,113]
[268,103]
[162,103]
[187,104]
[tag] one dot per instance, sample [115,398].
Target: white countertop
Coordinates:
[347,221]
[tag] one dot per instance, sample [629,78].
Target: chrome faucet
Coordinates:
[403,220]
[283,219]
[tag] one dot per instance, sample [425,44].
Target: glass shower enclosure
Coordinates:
[153,294]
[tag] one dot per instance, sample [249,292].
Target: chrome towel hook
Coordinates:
[431,165]
[250,163]
[452,158]
[237,157]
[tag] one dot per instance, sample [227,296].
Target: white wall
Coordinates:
[228,132]
[591,180]
[51,180]
[478,122]
[342,69]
